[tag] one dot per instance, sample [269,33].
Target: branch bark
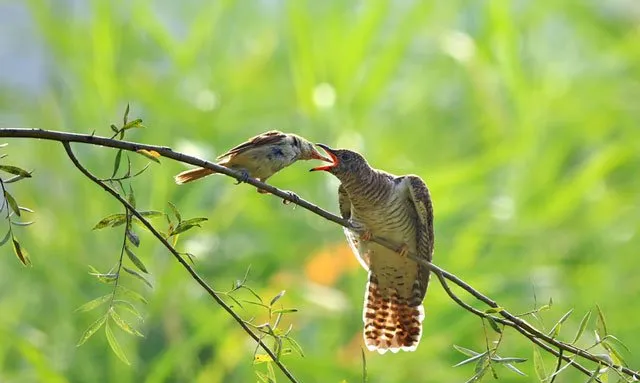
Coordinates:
[533,334]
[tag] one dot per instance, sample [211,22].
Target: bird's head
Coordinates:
[345,163]
[308,151]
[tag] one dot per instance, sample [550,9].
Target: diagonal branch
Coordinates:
[535,335]
[174,252]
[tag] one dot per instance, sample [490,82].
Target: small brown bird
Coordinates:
[398,209]
[260,157]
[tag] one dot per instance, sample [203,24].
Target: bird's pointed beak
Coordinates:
[316,155]
[334,159]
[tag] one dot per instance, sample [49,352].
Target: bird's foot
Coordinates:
[294,198]
[244,176]
[366,235]
[404,250]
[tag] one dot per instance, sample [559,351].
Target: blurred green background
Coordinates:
[522,117]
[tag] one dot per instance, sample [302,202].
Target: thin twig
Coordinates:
[176,254]
[525,328]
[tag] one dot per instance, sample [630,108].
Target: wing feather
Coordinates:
[261,139]
[421,199]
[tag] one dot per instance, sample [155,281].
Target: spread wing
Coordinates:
[421,199]
[261,139]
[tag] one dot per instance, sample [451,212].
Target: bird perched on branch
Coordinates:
[260,157]
[398,209]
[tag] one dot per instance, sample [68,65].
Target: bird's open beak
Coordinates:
[334,159]
[318,156]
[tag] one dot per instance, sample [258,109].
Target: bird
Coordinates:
[260,157]
[398,209]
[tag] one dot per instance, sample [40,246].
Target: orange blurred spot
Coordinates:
[327,265]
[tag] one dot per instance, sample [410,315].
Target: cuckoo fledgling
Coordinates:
[260,157]
[398,209]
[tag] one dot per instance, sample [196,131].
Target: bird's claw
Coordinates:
[294,198]
[366,235]
[244,176]
[403,251]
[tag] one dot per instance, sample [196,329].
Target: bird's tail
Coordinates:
[192,175]
[391,322]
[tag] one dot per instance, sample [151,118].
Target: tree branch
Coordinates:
[533,334]
[176,254]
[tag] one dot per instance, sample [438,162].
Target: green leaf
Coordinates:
[501,360]
[116,163]
[125,117]
[21,253]
[23,224]
[135,260]
[284,311]
[92,304]
[12,203]
[112,220]
[465,351]
[583,325]
[126,305]
[133,238]
[141,170]
[115,346]
[124,325]
[472,359]
[131,197]
[138,275]
[538,365]
[277,297]
[95,326]
[555,330]
[175,211]
[195,221]
[137,123]
[295,345]
[131,294]
[186,225]
[262,358]
[514,369]
[115,129]
[14,179]
[15,171]
[494,310]
[150,154]
[595,374]
[6,237]
[494,325]
[601,324]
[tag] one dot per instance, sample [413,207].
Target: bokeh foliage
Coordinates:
[522,117]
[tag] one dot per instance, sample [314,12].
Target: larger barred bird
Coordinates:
[398,209]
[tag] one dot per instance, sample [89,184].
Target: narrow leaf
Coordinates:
[138,275]
[92,304]
[601,324]
[175,211]
[12,203]
[131,294]
[365,378]
[471,359]
[6,237]
[498,359]
[514,369]
[150,154]
[15,179]
[277,297]
[21,253]
[15,171]
[494,325]
[295,345]
[129,307]
[135,260]
[494,310]
[555,330]
[194,221]
[583,325]
[115,346]
[262,358]
[126,114]
[133,238]
[112,220]
[465,351]
[95,326]
[126,327]
[285,311]
[538,364]
[23,224]
[116,163]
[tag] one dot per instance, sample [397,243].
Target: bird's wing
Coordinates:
[261,139]
[344,204]
[421,200]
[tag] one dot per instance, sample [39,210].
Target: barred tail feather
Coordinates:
[192,175]
[391,322]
